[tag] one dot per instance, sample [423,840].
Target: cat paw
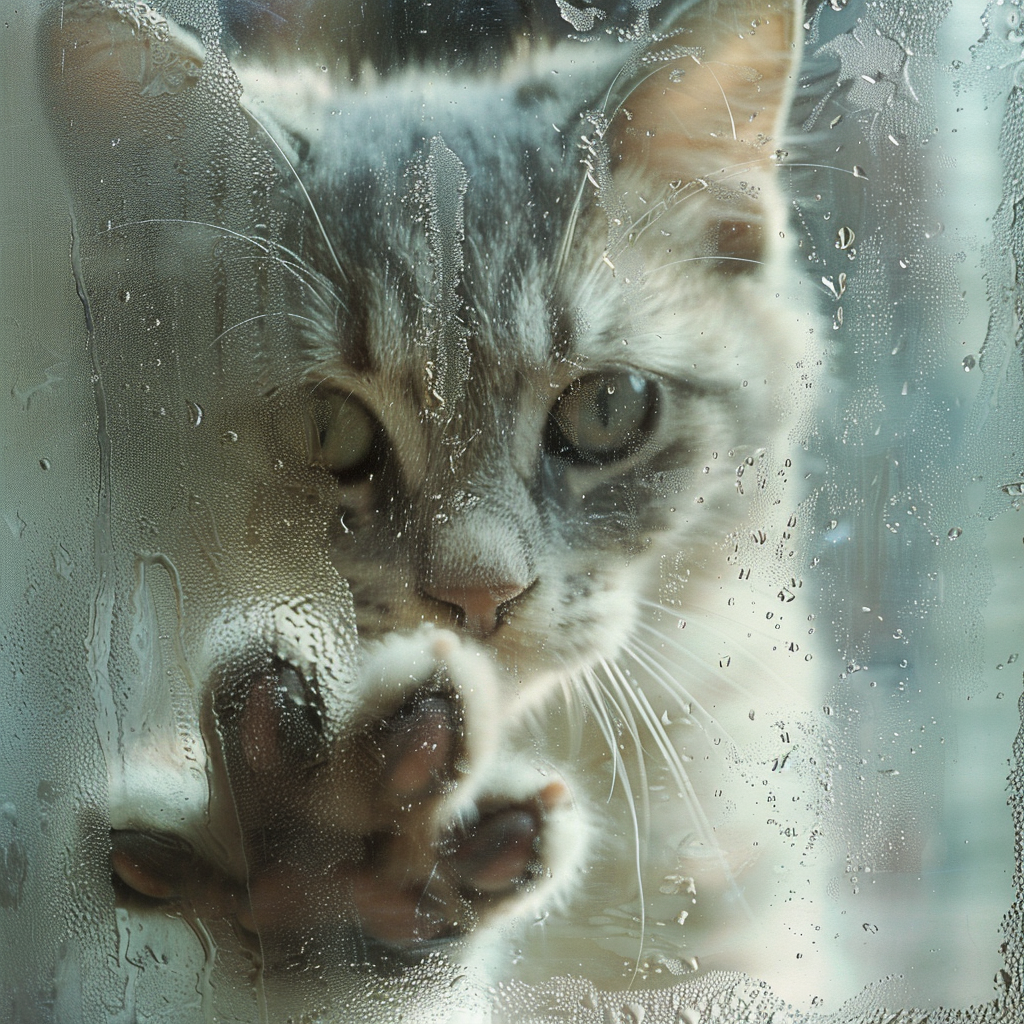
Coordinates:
[406,822]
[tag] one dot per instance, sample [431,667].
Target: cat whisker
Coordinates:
[631,804]
[716,257]
[669,683]
[725,98]
[264,244]
[670,756]
[661,66]
[704,666]
[426,887]
[309,201]
[300,269]
[853,172]
[644,656]
[565,246]
[304,274]
[677,769]
[589,286]
[706,614]
[600,712]
[575,708]
[259,316]
[625,713]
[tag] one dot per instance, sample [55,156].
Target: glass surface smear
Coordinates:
[511,512]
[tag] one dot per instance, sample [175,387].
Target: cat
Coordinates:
[473,327]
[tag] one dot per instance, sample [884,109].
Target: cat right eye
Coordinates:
[345,437]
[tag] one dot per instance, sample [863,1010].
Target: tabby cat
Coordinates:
[445,342]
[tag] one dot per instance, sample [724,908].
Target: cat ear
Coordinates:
[700,128]
[109,64]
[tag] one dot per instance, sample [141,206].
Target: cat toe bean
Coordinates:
[417,746]
[500,851]
[150,864]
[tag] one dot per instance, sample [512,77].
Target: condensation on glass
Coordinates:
[141,410]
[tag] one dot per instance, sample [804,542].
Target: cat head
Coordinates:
[524,318]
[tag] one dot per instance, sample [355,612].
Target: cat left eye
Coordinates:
[602,418]
[346,437]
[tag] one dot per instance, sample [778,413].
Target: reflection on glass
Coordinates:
[509,512]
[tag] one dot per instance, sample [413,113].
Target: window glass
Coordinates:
[511,511]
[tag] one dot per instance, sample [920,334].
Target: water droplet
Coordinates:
[44,464]
[835,287]
[683,915]
[124,295]
[229,437]
[858,172]
[633,1013]
[13,873]
[954,533]
[195,413]
[871,928]
[681,624]
[969,363]
[845,237]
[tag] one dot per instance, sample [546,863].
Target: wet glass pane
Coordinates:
[510,511]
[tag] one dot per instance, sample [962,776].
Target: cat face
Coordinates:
[528,325]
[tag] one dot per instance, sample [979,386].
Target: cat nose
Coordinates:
[479,607]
